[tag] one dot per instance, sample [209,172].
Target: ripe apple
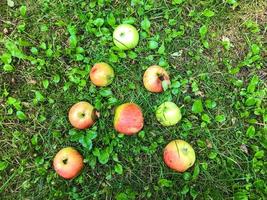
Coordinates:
[154,77]
[125,36]
[101,74]
[82,115]
[168,114]
[68,163]
[128,119]
[179,155]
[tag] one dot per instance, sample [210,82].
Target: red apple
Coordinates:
[154,77]
[179,155]
[101,74]
[82,115]
[128,119]
[68,163]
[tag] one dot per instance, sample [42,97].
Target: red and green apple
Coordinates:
[68,163]
[101,74]
[128,119]
[154,78]
[82,115]
[179,155]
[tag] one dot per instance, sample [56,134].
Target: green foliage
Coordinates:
[83,137]
[215,54]
[145,24]
[197,106]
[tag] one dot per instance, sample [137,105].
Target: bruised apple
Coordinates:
[128,119]
[168,114]
[154,78]
[82,115]
[68,163]
[101,74]
[179,155]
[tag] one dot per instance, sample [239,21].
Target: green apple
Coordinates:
[168,114]
[125,36]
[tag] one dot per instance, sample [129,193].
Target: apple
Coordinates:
[82,115]
[128,119]
[68,163]
[125,36]
[179,155]
[168,114]
[101,74]
[154,77]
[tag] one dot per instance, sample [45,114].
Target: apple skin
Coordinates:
[168,114]
[101,74]
[82,115]
[73,165]
[179,155]
[128,119]
[125,36]
[153,78]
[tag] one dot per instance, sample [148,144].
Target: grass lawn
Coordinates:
[215,53]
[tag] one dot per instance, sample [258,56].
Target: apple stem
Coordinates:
[161,77]
[65,161]
[97,113]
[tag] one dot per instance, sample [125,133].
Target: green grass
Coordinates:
[215,52]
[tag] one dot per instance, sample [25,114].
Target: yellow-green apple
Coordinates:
[179,155]
[101,74]
[128,119]
[82,115]
[154,78]
[125,36]
[68,163]
[168,114]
